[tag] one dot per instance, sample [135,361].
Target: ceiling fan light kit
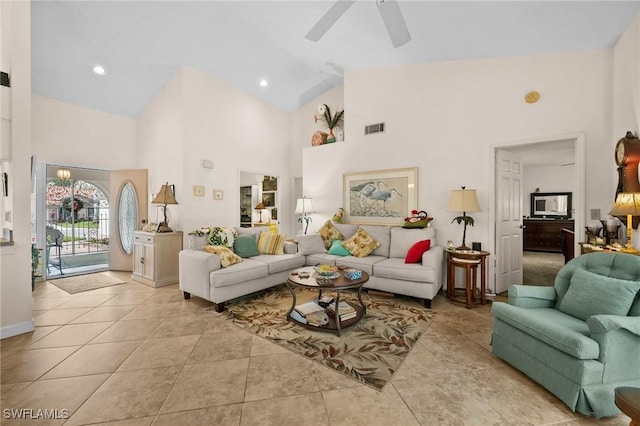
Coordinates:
[389,11]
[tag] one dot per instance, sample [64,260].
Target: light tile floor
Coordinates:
[133,355]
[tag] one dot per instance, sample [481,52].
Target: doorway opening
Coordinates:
[553,164]
[76,209]
[259,200]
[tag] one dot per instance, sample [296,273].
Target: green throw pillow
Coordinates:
[592,294]
[338,249]
[246,246]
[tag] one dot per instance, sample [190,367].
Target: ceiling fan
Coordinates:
[389,11]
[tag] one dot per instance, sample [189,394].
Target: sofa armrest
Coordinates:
[290,247]
[195,268]
[433,257]
[532,297]
[618,338]
[604,323]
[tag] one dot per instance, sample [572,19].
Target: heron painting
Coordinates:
[380,197]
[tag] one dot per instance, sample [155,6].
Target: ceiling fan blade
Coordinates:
[328,19]
[394,22]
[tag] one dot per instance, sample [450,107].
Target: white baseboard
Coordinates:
[15,329]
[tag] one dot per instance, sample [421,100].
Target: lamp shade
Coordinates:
[165,196]
[260,206]
[464,200]
[304,206]
[627,203]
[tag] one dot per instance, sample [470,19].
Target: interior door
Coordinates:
[128,208]
[508,220]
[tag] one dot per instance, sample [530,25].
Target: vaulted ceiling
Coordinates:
[141,44]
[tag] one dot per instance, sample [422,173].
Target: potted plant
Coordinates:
[35,261]
[330,120]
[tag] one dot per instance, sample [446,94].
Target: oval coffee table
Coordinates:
[339,284]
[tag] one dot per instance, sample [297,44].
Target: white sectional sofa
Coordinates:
[386,265]
[202,275]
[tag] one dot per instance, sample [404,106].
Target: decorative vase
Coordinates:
[331,137]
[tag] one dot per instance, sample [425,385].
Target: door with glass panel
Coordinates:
[129,207]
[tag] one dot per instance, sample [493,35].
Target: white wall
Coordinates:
[15,261]
[198,117]
[159,132]
[626,83]
[68,134]
[445,118]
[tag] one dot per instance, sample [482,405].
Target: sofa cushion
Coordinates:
[414,255]
[279,263]
[249,269]
[255,231]
[402,239]
[328,232]
[382,234]
[246,246]
[227,257]
[222,236]
[399,270]
[322,258]
[310,244]
[592,294]
[346,229]
[555,328]
[361,244]
[269,243]
[338,249]
[363,263]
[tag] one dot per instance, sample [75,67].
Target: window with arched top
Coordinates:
[127,216]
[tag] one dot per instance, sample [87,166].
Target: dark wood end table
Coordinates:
[339,284]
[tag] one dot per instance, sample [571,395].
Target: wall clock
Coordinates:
[627,156]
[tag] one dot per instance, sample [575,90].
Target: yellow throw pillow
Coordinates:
[227,256]
[269,243]
[361,244]
[328,232]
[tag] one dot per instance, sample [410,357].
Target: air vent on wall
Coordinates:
[374,128]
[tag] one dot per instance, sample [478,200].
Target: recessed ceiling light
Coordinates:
[99,70]
[264,83]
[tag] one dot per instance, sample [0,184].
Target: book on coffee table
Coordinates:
[307,308]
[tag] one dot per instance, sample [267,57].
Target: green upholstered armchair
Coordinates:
[580,339]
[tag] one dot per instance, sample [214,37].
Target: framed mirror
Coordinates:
[555,205]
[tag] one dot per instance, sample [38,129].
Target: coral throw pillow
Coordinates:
[227,257]
[328,232]
[361,244]
[269,243]
[414,255]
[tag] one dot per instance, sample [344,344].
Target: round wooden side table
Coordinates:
[469,261]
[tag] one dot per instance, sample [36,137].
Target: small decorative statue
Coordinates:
[337,218]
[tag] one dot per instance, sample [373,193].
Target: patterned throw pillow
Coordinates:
[222,236]
[328,232]
[227,257]
[361,244]
[269,243]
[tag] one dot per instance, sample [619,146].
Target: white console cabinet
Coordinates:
[155,257]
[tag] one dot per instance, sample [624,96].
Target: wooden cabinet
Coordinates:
[155,257]
[545,234]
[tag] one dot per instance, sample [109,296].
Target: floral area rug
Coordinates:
[370,351]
